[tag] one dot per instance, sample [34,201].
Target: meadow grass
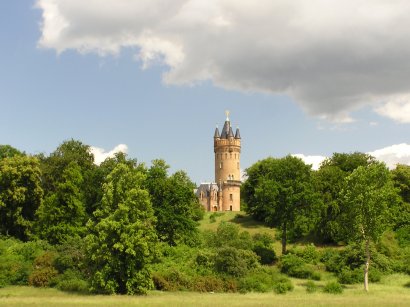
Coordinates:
[389,292]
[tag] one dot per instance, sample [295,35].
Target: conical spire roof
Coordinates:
[216,134]
[237,134]
[230,135]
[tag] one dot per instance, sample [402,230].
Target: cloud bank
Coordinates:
[100,154]
[331,57]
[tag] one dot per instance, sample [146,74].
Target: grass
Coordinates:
[245,222]
[389,292]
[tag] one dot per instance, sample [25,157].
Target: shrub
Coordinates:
[407,285]
[72,281]
[43,272]
[282,286]
[294,266]
[208,284]
[235,262]
[333,287]
[403,236]
[347,276]
[310,287]
[266,255]
[332,259]
[309,253]
[172,280]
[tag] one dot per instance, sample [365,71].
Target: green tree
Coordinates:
[401,212]
[175,205]
[280,192]
[367,195]
[7,151]
[68,152]
[329,180]
[20,195]
[122,241]
[62,215]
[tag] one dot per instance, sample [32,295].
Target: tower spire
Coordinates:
[227,115]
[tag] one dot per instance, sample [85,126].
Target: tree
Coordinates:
[20,195]
[68,152]
[175,205]
[367,194]
[122,241]
[7,151]
[62,215]
[279,192]
[329,181]
[401,212]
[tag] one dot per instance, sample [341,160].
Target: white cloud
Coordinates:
[393,155]
[100,154]
[332,57]
[398,108]
[315,161]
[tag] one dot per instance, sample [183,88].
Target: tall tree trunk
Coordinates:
[366,267]
[284,238]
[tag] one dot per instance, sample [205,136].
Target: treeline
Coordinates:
[107,220]
[122,227]
[352,198]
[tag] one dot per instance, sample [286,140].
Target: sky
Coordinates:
[153,78]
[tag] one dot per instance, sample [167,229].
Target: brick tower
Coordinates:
[227,148]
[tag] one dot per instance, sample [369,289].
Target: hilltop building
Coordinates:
[224,193]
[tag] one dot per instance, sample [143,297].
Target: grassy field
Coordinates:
[389,292]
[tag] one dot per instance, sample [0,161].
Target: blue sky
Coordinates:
[157,90]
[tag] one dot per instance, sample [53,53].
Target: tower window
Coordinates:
[226,156]
[237,165]
[221,165]
[230,208]
[231,197]
[230,155]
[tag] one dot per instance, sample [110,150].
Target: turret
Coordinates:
[227,148]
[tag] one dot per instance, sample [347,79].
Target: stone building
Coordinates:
[224,193]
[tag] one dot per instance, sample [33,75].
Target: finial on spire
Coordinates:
[227,114]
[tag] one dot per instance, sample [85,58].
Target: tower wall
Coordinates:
[227,171]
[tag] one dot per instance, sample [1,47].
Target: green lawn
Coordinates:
[390,292]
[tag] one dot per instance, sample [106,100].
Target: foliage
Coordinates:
[72,152]
[20,195]
[264,279]
[7,151]
[279,192]
[72,281]
[43,270]
[329,182]
[122,241]
[311,287]
[62,215]
[333,287]
[295,266]
[235,262]
[368,193]
[175,205]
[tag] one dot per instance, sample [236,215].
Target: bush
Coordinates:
[72,281]
[347,276]
[283,286]
[407,285]
[235,262]
[266,255]
[294,266]
[310,287]
[208,284]
[309,254]
[333,287]
[17,260]
[403,236]
[44,272]
[172,280]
